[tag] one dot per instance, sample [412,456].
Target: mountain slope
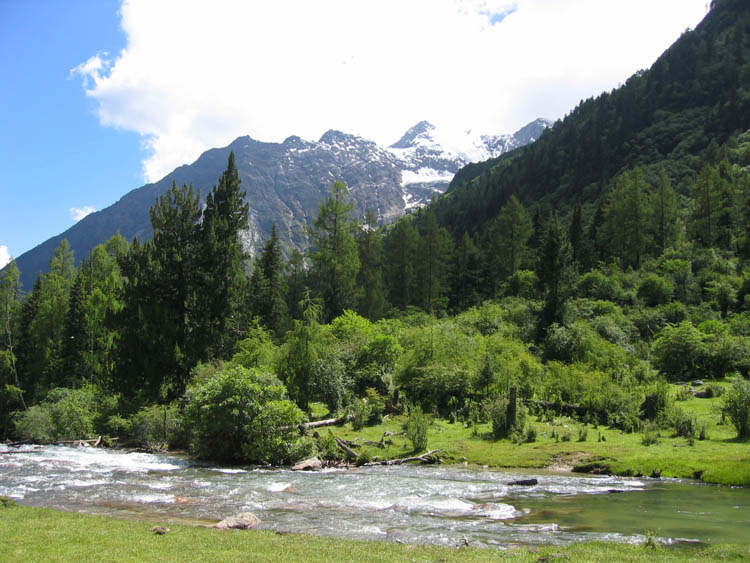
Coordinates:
[694,97]
[286,181]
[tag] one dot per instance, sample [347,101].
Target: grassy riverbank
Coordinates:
[39,534]
[564,444]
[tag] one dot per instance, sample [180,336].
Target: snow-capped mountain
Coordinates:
[285,182]
[430,157]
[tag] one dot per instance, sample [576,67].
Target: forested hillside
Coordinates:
[578,276]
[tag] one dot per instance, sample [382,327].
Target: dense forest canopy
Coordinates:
[587,269]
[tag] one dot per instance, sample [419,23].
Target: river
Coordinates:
[414,504]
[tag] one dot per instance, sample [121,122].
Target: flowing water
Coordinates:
[415,504]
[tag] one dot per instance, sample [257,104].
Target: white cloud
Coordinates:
[4,255]
[78,213]
[195,75]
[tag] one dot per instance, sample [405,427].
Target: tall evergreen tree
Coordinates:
[335,261]
[434,265]
[467,278]
[224,283]
[664,213]
[296,284]
[625,218]
[268,287]
[555,271]
[401,247]
[372,301]
[161,321]
[10,292]
[577,237]
[43,323]
[509,237]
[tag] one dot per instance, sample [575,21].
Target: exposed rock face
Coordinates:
[285,182]
[242,521]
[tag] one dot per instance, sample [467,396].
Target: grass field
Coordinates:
[563,443]
[39,534]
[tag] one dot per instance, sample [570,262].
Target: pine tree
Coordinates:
[467,275]
[664,213]
[372,301]
[335,261]
[10,291]
[223,284]
[625,218]
[401,247]
[433,267]
[161,322]
[577,237]
[509,236]
[268,287]
[555,271]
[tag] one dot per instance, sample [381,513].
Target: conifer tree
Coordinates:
[10,291]
[162,322]
[625,218]
[509,237]
[664,213]
[372,301]
[433,266]
[335,261]
[224,283]
[467,274]
[555,271]
[401,247]
[268,287]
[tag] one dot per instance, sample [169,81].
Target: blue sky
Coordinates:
[54,154]
[101,96]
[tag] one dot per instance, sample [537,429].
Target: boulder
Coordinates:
[309,464]
[242,521]
[523,483]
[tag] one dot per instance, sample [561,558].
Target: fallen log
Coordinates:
[350,452]
[93,443]
[423,458]
[328,422]
[22,451]
[21,443]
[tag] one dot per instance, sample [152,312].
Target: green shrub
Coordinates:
[655,290]
[650,436]
[327,448]
[497,410]
[361,412]
[736,407]
[678,351]
[597,285]
[65,414]
[416,426]
[36,425]
[242,415]
[685,424]
[522,283]
[157,424]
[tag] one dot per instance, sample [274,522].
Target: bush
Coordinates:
[737,407]
[498,414]
[685,424]
[361,411]
[655,290]
[678,351]
[596,285]
[416,427]
[36,425]
[155,425]
[65,414]
[242,415]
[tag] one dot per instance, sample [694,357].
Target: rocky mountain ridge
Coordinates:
[286,181]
